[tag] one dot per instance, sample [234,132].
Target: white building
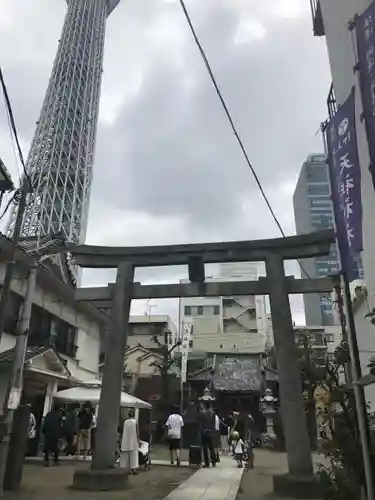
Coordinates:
[226,324]
[323,338]
[64,337]
[142,327]
[330,18]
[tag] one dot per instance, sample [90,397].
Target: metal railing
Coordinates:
[317,18]
[331,102]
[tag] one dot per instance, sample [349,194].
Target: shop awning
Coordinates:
[90,391]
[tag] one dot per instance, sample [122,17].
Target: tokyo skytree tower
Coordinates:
[61,156]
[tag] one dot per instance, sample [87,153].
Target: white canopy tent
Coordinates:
[90,391]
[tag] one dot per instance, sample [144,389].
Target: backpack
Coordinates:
[208,423]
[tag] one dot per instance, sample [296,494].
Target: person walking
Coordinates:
[52,430]
[217,438]
[207,424]
[71,431]
[174,426]
[93,433]
[130,444]
[84,430]
[224,436]
[31,432]
[239,448]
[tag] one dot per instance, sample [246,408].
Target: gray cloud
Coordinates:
[171,149]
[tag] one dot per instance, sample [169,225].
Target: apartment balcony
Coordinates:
[331,102]
[317,18]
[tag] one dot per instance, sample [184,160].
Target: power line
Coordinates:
[10,201]
[229,116]
[233,127]
[13,125]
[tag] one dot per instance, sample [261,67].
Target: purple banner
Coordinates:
[345,175]
[365,31]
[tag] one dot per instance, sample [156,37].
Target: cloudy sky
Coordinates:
[168,169]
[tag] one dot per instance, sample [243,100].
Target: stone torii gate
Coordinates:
[300,481]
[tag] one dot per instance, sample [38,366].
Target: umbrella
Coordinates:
[90,391]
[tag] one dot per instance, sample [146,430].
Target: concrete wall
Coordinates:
[229,342]
[336,13]
[365,336]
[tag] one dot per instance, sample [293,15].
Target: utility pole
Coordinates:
[52,245]
[13,395]
[11,261]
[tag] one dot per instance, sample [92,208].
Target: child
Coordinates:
[238,448]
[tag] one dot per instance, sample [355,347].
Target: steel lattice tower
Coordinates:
[61,156]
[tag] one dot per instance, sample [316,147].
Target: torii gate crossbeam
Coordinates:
[118,298]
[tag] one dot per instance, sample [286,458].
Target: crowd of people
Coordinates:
[71,431]
[216,436]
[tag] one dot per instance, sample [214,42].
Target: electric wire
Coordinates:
[13,125]
[13,199]
[233,127]
[16,161]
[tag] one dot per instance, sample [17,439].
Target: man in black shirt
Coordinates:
[52,431]
[207,425]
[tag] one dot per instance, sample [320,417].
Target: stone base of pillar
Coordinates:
[101,480]
[290,486]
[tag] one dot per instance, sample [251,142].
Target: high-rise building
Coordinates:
[313,211]
[61,156]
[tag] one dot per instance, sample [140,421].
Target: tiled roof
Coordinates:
[6,357]
[31,352]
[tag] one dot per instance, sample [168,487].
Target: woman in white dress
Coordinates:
[130,444]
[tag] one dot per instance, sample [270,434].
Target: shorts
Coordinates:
[174,443]
[84,441]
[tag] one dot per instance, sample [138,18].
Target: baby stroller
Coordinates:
[144,457]
[248,456]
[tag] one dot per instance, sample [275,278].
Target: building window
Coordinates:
[187,311]
[329,337]
[318,189]
[40,326]
[216,310]
[200,310]
[65,338]
[12,313]
[317,173]
[322,201]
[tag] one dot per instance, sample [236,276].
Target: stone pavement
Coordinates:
[227,482]
[219,483]
[257,484]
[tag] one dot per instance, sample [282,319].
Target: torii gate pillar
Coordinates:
[300,481]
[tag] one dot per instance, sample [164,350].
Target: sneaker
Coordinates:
[178,463]
[172,463]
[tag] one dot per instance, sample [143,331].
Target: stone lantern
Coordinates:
[207,396]
[268,407]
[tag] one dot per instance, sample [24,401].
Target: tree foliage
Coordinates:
[343,478]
